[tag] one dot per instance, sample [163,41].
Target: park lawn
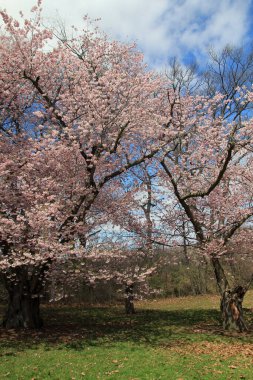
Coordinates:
[173,339]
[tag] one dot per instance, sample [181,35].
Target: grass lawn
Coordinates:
[177,339]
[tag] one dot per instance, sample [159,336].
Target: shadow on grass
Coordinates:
[79,327]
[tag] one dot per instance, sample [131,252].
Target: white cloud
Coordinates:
[162,28]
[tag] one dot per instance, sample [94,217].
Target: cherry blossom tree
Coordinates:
[209,173]
[74,117]
[106,264]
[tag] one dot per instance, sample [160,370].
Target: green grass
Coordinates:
[167,339]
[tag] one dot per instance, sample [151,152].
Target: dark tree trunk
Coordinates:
[24,286]
[23,310]
[231,300]
[129,299]
[231,309]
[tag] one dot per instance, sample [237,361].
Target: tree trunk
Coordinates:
[23,310]
[220,275]
[129,299]
[231,309]
[24,286]
[231,300]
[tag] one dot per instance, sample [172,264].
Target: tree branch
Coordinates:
[196,225]
[218,179]
[50,103]
[126,167]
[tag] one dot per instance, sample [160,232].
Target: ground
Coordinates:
[177,339]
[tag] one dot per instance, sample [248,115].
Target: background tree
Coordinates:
[209,173]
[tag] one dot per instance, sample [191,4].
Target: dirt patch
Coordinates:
[222,350]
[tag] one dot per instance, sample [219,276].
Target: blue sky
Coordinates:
[161,28]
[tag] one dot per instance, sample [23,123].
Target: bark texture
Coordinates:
[231,309]
[231,300]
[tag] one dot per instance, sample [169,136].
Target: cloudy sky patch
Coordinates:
[162,28]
